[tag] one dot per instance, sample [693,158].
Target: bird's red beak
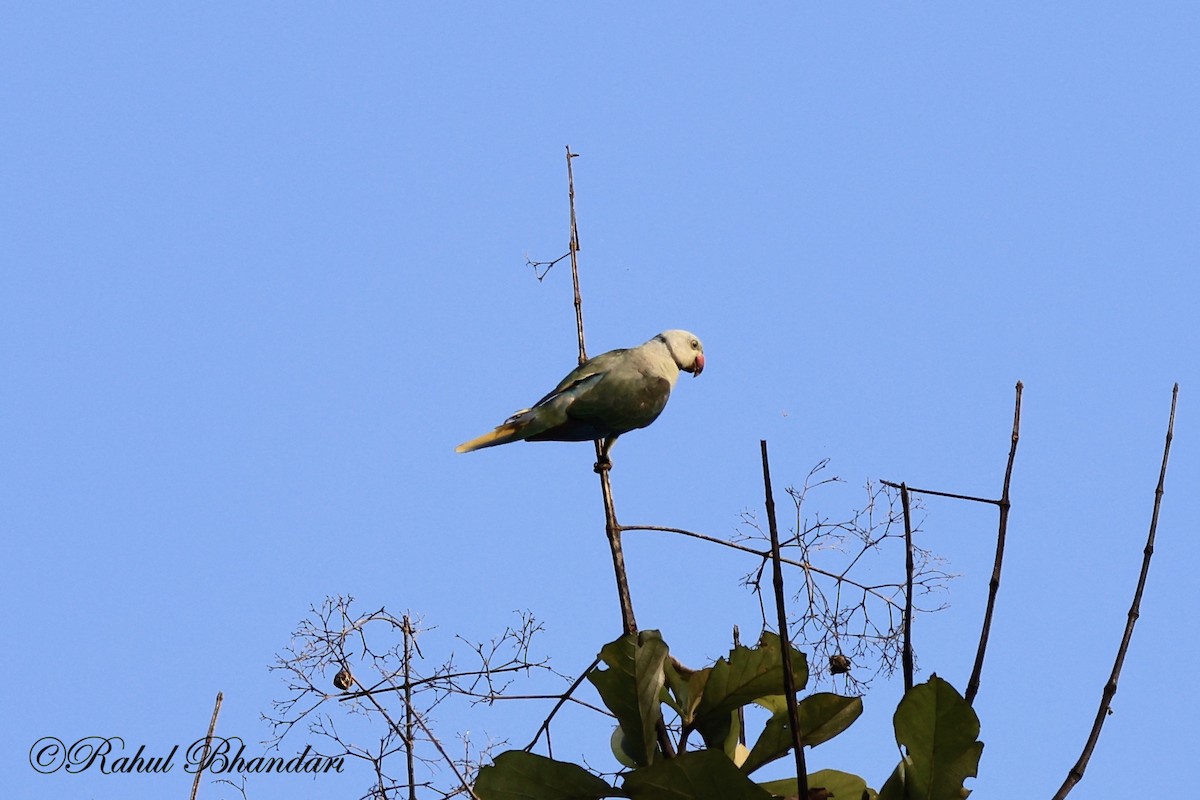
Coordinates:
[698,367]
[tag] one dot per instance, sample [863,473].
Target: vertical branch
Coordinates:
[1001,534]
[212,726]
[907,652]
[1076,773]
[741,710]
[409,738]
[574,250]
[789,680]
[611,529]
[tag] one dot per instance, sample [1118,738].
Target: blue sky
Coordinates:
[264,266]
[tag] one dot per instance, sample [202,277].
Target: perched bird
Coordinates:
[604,397]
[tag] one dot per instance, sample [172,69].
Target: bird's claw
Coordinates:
[602,466]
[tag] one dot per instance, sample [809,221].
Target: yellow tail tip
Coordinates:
[502,435]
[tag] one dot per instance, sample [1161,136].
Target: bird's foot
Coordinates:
[602,466]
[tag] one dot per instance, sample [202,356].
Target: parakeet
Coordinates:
[605,396]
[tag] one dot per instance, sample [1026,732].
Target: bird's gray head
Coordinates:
[685,348]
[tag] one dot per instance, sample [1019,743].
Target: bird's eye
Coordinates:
[695,344]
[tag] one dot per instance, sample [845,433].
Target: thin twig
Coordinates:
[212,725]
[1001,534]
[789,680]
[1110,689]
[446,756]
[765,555]
[441,677]
[491,699]
[907,651]
[951,495]
[409,738]
[543,266]
[574,249]
[436,742]
[545,726]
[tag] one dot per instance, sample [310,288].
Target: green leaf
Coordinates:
[840,785]
[774,742]
[733,737]
[939,731]
[679,692]
[631,688]
[695,775]
[517,775]
[693,694]
[748,673]
[822,716]
[893,787]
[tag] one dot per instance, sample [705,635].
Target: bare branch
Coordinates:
[212,725]
[907,652]
[442,750]
[951,495]
[611,529]
[785,643]
[545,726]
[542,268]
[409,713]
[765,555]
[1001,535]
[573,249]
[1075,775]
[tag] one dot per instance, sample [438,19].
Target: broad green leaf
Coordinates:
[748,673]
[774,742]
[517,775]
[715,728]
[939,731]
[775,703]
[679,693]
[733,738]
[631,688]
[822,716]
[840,785]
[695,775]
[694,693]
[893,787]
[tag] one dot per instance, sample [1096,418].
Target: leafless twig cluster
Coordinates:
[542,268]
[341,678]
[850,608]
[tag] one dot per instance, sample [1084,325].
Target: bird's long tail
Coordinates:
[508,432]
